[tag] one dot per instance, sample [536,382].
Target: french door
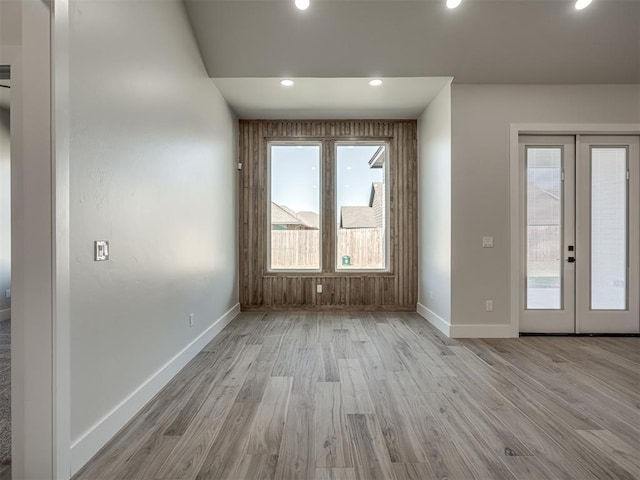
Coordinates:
[580,220]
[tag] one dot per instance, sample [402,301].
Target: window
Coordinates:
[295,206]
[361,206]
[270,279]
[358,212]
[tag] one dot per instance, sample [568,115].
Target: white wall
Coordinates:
[434,210]
[481,117]
[10,24]
[152,170]
[5,210]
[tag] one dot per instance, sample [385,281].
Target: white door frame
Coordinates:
[515,130]
[40,241]
[60,161]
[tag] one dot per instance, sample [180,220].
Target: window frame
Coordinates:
[321,207]
[387,204]
[328,226]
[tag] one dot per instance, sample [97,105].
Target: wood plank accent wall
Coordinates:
[393,290]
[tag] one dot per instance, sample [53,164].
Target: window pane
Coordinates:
[544,228]
[361,206]
[608,228]
[295,207]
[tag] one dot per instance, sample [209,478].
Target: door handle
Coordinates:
[571,259]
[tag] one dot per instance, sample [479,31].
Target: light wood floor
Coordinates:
[385,396]
[5,390]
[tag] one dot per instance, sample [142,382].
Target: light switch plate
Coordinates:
[101,250]
[487,242]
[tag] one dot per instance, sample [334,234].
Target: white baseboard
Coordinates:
[97,436]
[5,314]
[483,331]
[434,319]
[465,331]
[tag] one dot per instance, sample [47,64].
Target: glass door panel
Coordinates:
[544,228]
[548,227]
[609,200]
[581,234]
[608,238]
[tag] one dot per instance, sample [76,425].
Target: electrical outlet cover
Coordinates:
[487,242]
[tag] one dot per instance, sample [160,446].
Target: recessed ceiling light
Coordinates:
[286,83]
[580,4]
[302,4]
[376,82]
[453,3]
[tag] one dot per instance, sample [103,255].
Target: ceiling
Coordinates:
[481,42]
[330,98]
